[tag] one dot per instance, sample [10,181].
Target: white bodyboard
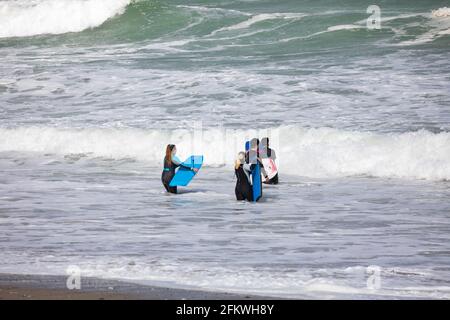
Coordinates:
[270,167]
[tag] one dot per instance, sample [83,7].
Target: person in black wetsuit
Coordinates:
[171,162]
[243,190]
[266,152]
[253,156]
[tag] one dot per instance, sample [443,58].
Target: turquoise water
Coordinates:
[316,63]
[92,91]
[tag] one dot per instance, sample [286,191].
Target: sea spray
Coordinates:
[314,152]
[28,18]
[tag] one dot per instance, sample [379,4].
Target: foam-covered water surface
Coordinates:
[91,92]
[307,238]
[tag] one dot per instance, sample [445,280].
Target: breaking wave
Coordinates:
[321,152]
[23,18]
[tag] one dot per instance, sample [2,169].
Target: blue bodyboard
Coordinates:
[183,176]
[256,174]
[257,183]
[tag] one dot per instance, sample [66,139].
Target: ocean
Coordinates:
[91,92]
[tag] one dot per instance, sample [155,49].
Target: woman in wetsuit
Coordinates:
[268,153]
[253,156]
[171,162]
[243,190]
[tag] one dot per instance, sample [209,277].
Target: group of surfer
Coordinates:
[257,154]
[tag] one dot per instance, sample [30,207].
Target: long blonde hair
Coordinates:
[240,160]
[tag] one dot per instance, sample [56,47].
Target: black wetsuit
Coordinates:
[168,173]
[274,180]
[243,190]
[270,154]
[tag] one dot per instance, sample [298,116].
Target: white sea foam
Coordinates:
[212,10]
[439,25]
[329,152]
[441,12]
[259,18]
[345,27]
[322,152]
[22,18]
[298,284]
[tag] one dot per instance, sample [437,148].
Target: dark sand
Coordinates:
[37,287]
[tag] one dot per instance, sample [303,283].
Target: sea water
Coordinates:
[92,91]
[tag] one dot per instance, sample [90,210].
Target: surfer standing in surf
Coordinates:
[268,157]
[171,162]
[243,189]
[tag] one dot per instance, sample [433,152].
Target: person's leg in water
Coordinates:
[243,194]
[245,191]
[248,194]
[274,180]
[170,189]
[239,195]
[165,179]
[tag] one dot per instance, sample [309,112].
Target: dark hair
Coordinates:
[169,149]
[265,147]
[254,143]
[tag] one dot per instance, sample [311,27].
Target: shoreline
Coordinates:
[52,287]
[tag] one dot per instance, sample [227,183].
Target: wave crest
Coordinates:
[322,152]
[441,12]
[22,18]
